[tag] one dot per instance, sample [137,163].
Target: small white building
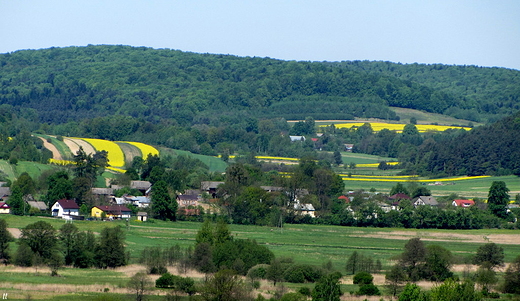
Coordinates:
[65,208]
[304,209]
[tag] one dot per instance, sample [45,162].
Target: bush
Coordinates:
[305,291]
[363,278]
[302,273]
[368,290]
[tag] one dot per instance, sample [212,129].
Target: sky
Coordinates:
[455,32]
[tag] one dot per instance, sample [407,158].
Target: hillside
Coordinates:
[75,83]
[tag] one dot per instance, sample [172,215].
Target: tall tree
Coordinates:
[414,254]
[41,237]
[498,198]
[5,238]
[512,277]
[327,288]
[489,254]
[110,249]
[163,206]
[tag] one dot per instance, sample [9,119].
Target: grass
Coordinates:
[64,150]
[214,164]
[310,244]
[32,168]
[472,188]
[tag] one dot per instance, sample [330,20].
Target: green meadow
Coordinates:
[310,244]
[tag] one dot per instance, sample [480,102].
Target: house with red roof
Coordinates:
[4,208]
[65,208]
[463,203]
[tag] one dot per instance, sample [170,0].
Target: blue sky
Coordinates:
[472,32]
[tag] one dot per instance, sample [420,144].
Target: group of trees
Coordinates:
[41,244]
[448,153]
[433,262]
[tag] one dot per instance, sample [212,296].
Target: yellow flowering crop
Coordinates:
[398,127]
[116,169]
[60,162]
[276,158]
[116,157]
[144,148]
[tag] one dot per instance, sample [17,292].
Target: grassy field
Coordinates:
[311,244]
[32,168]
[64,150]
[215,164]
[472,188]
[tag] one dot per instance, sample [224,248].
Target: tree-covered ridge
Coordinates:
[74,83]
[481,93]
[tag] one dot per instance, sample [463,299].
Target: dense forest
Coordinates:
[76,83]
[223,104]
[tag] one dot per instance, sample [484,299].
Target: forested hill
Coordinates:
[486,93]
[60,85]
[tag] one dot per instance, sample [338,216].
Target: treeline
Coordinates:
[485,150]
[41,244]
[487,93]
[76,83]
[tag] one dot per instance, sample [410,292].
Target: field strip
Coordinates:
[75,143]
[55,152]
[507,239]
[130,151]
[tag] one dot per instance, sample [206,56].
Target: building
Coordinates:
[111,212]
[425,200]
[185,200]
[463,203]
[65,208]
[304,209]
[142,216]
[4,208]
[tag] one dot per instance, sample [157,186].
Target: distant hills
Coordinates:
[62,85]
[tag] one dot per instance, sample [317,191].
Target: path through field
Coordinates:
[55,152]
[74,145]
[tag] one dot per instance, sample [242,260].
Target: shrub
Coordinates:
[302,273]
[368,290]
[363,278]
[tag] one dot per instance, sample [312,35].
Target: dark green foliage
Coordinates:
[248,252]
[498,198]
[490,254]
[413,255]
[42,239]
[302,273]
[5,239]
[24,256]
[327,288]
[512,277]
[110,249]
[368,289]
[363,278]
[395,278]
[163,205]
[182,284]
[438,261]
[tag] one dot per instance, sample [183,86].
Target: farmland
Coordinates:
[309,244]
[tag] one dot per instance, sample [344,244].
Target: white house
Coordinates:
[65,208]
[304,209]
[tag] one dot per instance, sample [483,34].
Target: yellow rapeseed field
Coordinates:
[398,127]
[144,148]
[116,157]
